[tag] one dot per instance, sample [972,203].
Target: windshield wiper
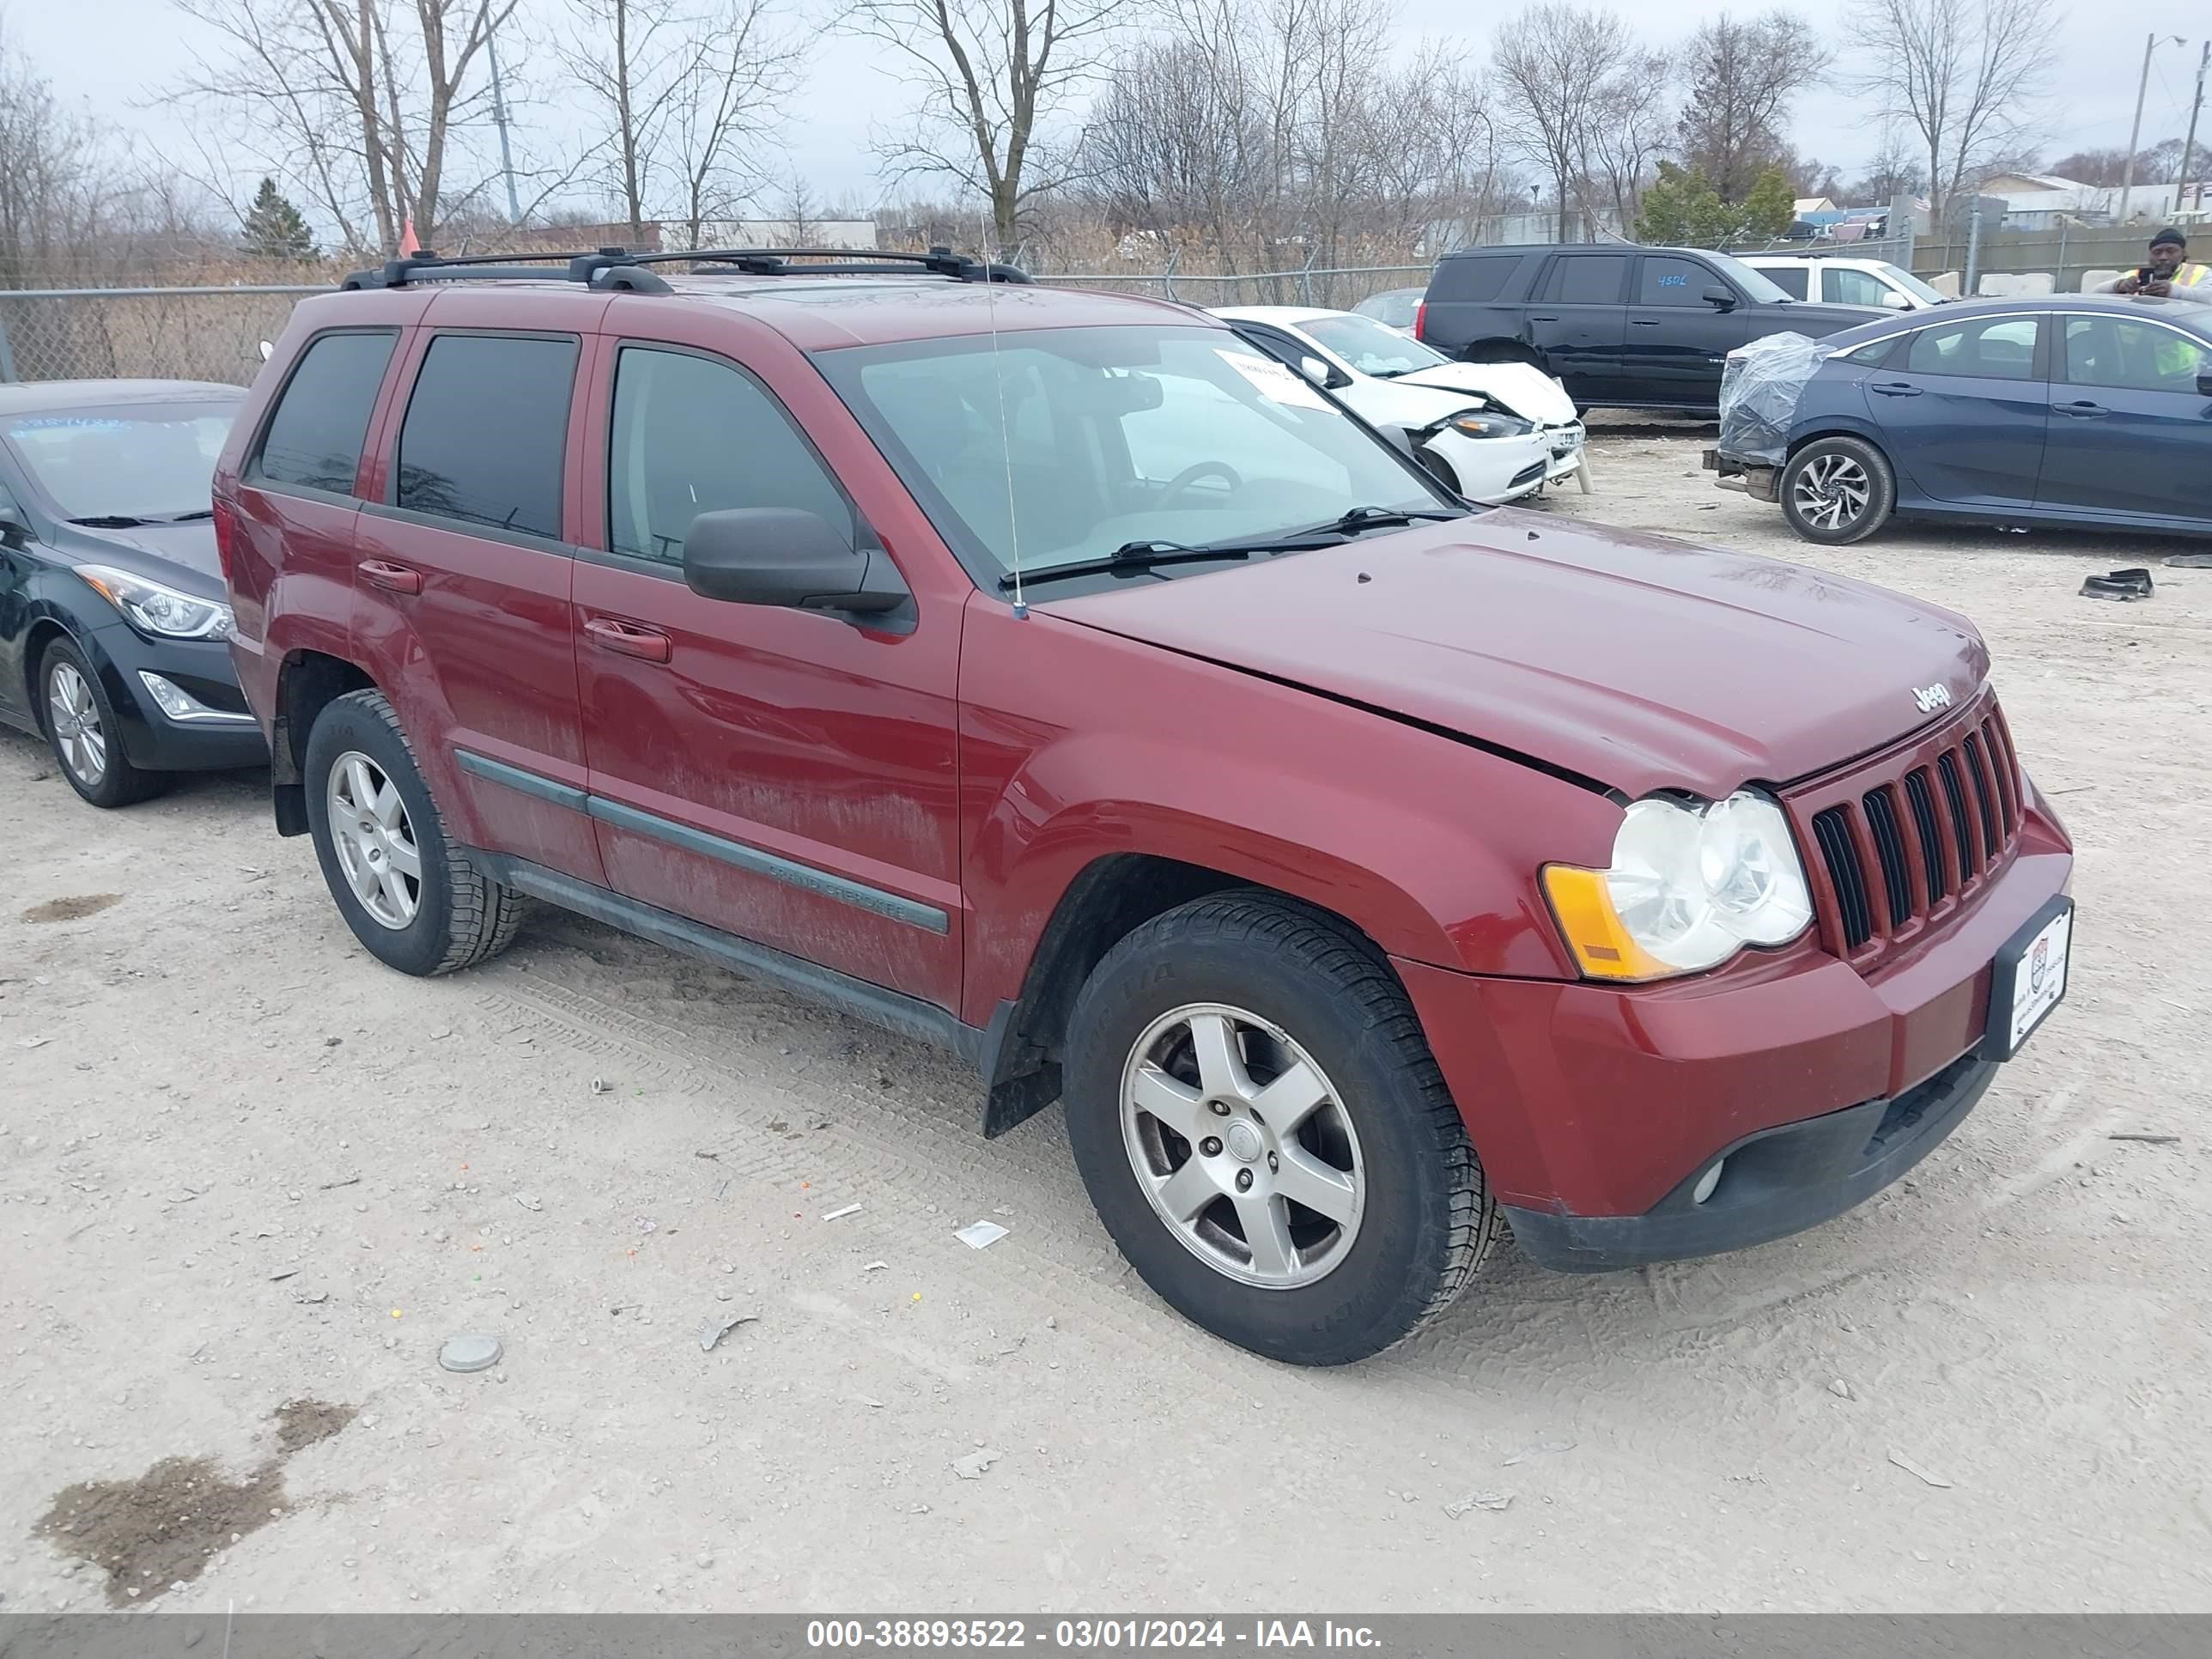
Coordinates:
[187,518]
[1130,556]
[111,521]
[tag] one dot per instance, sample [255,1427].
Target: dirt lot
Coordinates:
[242,1165]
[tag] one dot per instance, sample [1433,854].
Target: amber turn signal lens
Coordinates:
[1602,947]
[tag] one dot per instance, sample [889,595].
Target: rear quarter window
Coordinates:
[314,436]
[1475,278]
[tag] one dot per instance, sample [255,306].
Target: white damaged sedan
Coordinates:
[1493,432]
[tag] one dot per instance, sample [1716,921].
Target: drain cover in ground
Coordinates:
[470,1353]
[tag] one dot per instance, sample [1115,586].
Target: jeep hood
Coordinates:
[1633,661]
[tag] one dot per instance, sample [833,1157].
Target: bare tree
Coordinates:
[1552,64]
[1636,117]
[1741,76]
[628,58]
[1966,74]
[356,102]
[992,76]
[741,68]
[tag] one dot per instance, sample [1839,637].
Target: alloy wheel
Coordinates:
[374,840]
[1831,492]
[1243,1146]
[73,715]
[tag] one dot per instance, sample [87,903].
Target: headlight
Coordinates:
[1488,424]
[1690,885]
[153,608]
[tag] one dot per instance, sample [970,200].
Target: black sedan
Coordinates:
[113,626]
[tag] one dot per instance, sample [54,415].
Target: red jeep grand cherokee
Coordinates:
[1052,675]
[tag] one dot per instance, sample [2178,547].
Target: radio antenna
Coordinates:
[1005,442]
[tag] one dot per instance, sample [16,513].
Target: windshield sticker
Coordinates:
[1271,380]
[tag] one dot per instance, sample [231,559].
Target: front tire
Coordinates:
[1265,1134]
[381,841]
[1836,491]
[84,734]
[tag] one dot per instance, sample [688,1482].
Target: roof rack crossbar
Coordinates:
[619,268]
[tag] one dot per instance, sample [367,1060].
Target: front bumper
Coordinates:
[201,670]
[1494,470]
[1772,1183]
[1596,1108]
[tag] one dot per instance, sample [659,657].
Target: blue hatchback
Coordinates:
[2083,410]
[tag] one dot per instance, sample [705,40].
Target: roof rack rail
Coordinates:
[620,268]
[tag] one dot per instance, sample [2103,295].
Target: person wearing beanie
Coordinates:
[2168,270]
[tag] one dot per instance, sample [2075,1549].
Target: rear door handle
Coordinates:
[627,639]
[1645,322]
[1543,319]
[396,578]
[2084,410]
[1896,389]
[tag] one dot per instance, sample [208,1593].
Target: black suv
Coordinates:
[1628,327]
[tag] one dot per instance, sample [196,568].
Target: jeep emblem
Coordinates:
[1931,697]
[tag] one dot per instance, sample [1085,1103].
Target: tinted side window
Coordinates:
[484,431]
[321,418]
[1587,279]
[692,435]
[1994,349]
[1477,278]
[1663,280]
[1790,279]
[2130,356]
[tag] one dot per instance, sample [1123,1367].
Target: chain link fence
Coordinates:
[131,333]
[1339,287]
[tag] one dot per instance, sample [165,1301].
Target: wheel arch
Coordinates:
[1110,898]
[308,683]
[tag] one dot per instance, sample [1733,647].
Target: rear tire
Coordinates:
[410,900]
[1191,1019]
[1836,491]
[84,734]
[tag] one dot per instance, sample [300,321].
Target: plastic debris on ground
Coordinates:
[2133,583]
[980,1235]
[971,1467]
[1496,1502]
[1911,1467]
[474,1352]
[840,1215]
[1759,388]
[715,1327]
[1542,1448]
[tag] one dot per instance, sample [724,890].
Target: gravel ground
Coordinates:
[250,1181]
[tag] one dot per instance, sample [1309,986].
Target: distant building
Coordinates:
[1809,205]
[773,232]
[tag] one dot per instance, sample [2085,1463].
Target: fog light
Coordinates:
[1706,1182]
[176,702]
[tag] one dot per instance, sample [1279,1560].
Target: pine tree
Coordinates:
[275,229]
[1682,210]
[1771,206]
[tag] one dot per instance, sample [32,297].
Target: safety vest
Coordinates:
[2192,276]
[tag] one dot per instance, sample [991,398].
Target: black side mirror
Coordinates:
[780,556]
[1723,298]
[14,525]
[2204,384]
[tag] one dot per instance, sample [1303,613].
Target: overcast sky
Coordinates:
[116,54]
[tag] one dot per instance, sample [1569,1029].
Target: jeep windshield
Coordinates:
[1105,442]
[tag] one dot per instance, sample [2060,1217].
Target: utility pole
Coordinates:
[2135,132]
[2189,145]
[499,120]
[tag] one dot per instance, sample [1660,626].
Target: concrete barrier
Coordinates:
[2007,284]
